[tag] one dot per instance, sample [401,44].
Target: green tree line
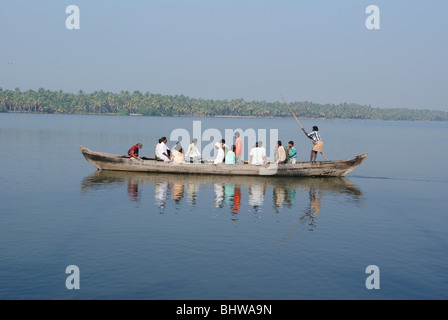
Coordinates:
[148,104]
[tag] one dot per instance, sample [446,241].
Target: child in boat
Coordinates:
[318,143]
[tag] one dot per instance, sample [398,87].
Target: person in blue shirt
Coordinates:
[230,156]
[292,153]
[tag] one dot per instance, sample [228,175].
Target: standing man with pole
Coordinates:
[318,143]
[318,148]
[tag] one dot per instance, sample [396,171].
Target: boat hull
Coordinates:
[339,168]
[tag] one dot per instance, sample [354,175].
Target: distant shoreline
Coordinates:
[213,117]
[154,105]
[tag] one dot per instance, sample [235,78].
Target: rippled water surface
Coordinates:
[145,236]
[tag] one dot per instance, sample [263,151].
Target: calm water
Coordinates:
[137,236]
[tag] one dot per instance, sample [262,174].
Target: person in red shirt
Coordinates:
[133,152]
[238,147]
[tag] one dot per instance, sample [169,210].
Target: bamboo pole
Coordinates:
[299,122]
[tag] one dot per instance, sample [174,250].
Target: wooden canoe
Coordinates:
[338,168]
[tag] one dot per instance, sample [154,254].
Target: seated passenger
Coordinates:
[178,154]
[157,148]
[162,150]
[258,155]
[220,155]
[292,155]
[224,147]
[133,152]
[231,156]
[280,153]
[193,153]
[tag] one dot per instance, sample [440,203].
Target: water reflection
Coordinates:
[133,193]
[234,195]
[161,193]
[313,209]
[283,196]
[256,195]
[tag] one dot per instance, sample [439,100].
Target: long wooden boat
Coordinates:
[338,168]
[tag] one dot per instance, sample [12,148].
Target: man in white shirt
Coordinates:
[220,155]
[258,155]
[162,150]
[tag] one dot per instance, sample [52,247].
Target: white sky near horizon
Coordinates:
[313,50]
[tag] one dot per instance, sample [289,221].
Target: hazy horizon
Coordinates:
[255,50]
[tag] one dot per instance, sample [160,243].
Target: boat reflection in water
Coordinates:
[233,193]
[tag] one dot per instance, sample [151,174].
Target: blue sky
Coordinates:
[316,50]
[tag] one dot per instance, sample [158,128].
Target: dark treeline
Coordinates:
[125,103]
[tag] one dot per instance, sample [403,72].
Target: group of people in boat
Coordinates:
[231,155]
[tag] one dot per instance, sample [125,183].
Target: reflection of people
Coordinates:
[258,155]
[162,150]
[177,191]
[237,200]
[313,210]
[283,195]
[315,202]
[133,192]
[192,190]
[290,196]
[279,197]
[318,143]
[232,196]
[256,195]
[219,194]
[229,191]
[193,152]
[161,190]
